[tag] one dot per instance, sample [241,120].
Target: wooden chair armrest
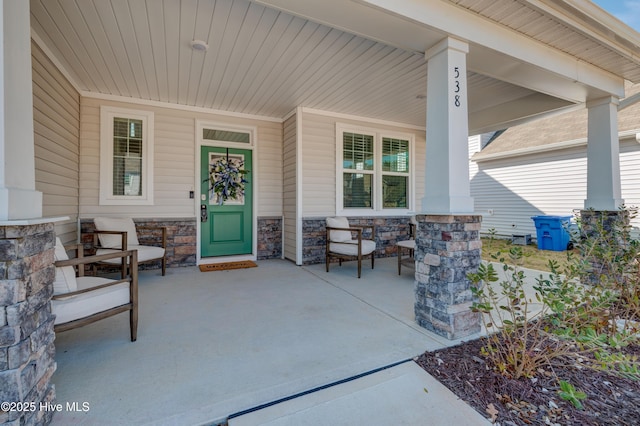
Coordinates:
[87,290]
[109,232]
[123,235]
[132,277]
[85,260]
[356,229]
[78,250]
[79,262]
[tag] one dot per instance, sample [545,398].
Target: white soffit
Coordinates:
[515,34]
[357,17]
[356,57]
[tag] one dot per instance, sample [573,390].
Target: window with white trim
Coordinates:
[373,171]
[126,156]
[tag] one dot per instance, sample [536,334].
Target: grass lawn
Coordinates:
[533,258]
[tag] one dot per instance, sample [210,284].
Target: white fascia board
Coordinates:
[518,111]
[189,108]
[502,67]
[454,20]
[629,101]
[359,18]
[49,54]
[342,116]
[594,22]
[479,157]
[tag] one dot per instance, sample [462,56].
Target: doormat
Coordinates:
[225,266]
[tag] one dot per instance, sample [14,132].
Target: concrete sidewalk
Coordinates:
[217,343]
[400,395]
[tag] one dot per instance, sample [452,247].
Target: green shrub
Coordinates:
[590,305]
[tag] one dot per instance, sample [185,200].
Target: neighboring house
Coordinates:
[540,168]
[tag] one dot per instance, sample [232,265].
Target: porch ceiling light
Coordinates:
[199,45]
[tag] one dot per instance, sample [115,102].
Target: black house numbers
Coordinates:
[456,90]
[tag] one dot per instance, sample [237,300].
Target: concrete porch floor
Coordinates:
[216,343]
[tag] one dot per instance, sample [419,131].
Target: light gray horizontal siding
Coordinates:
[319,165]
[56,122]
[290,188]
[551,183]
[630,172]
[270,171]
[174,162]
[319,161]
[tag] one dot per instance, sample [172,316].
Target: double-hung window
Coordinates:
[373,171]
[358,170]
[126,151]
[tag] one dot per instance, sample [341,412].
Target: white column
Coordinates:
[18,197]
[603,156]
[447,187]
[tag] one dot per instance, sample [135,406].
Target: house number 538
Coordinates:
[456,84]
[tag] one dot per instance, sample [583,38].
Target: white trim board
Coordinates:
[628,134]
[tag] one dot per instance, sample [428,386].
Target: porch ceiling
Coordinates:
[354,57]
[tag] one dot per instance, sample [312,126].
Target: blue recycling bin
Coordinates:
[553,232]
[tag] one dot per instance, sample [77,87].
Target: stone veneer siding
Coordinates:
[615,225]
[269,238]
[389,230]
[26,322]
[447,249]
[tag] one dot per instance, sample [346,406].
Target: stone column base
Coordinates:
[447,249]
[26,323]
[607,228]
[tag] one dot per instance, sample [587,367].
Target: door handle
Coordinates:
[204,215]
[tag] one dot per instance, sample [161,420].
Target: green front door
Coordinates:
[226,228]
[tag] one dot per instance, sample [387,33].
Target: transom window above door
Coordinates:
[374,171]
[225,135]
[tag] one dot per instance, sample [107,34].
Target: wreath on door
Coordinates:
[226,179]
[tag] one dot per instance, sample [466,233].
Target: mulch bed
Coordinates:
[611,400]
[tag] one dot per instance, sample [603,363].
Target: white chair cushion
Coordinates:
[116,224]
[65,281]
[351,248]
[85,304]
[339,222]
[410,244]
[144,253]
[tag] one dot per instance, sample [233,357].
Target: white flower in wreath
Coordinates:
[226,179]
